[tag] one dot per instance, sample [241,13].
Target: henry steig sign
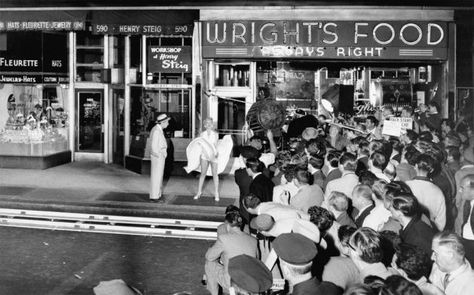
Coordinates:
[169,59]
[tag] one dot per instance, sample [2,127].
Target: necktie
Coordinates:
[466,211]
[446,281]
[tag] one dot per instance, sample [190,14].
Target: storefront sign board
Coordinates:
[156,30]
[169,59]
[42,26]
[326,39]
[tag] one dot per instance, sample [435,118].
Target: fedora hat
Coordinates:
[162,118]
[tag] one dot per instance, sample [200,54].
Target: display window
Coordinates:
[33,120]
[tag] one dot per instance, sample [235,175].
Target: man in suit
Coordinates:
[466,169]
[338,204]
[243,179]
[466,190]
[158,157]
[307,195]
[331,165]
[362,201]
[346,183]
[261,186]
[231,244]
[405,208]
[315,164]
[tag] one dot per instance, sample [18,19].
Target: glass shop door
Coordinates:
[90,121]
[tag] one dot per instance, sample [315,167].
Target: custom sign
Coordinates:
[405,123]
[169,59]
[326,39]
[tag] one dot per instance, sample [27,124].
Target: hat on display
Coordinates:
[295,248]
[262,222]
[307,229]
[309,133]
[250,274]
[162,118]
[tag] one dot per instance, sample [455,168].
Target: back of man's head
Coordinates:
[425,164]
[303,176]
[332,158]
[413,260]
[366,241]
[251,201]
[316,161]
[348,162]
[379,160]
[255,165]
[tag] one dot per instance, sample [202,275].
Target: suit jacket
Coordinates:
[158,142]
[243,180]
[314,287]
[318,178]
[334,174]
[418,233]
[262,187]
[465,170]
[345,219]
[307,196]
[359,221]
[230,245]
[362,164]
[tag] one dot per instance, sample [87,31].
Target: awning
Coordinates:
[142,22]
[47,20]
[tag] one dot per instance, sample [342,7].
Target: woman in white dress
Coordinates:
[210,136]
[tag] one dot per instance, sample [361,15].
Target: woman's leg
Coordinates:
[215,176]
[202,177]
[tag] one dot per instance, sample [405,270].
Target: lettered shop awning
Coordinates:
[144,22]
[45,20]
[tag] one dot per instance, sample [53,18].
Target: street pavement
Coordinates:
[59,262]
[91,187]
[37,262]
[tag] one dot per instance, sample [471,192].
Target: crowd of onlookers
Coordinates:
[342,208]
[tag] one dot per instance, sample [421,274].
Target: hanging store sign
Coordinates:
[326,39]
[42,26]
[169,59]
[34,57]
[123,29]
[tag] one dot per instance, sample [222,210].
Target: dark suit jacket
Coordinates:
[359,221]
[262,187]
[345,219]
[243,180]
[334,174]
[318,178]
[314,287]
[418,233]
[362,165]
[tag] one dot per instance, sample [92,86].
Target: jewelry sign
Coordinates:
[169,59]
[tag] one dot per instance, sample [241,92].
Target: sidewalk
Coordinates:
[98,188]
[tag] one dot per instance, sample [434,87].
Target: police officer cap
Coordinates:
[295,248]
[250,274]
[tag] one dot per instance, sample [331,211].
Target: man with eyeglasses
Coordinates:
[451,272]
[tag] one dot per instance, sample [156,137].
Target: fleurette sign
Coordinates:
[325,39]
[169,59]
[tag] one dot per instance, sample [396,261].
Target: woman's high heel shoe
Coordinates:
[216,198]
[197,196]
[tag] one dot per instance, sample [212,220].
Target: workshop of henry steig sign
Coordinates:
[169,59]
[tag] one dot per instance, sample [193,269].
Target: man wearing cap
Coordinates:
[158,157]
[249,275]
[296,253]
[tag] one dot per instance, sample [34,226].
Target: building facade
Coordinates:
[87,83]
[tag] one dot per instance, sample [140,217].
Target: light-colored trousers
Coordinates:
[156,176]
[216,276]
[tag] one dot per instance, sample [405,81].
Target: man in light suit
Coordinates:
[231,244]
[158,157]
[307,195]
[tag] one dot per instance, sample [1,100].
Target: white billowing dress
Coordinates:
[209,147]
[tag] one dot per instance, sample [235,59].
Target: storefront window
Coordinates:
[33,120]
[89,57]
